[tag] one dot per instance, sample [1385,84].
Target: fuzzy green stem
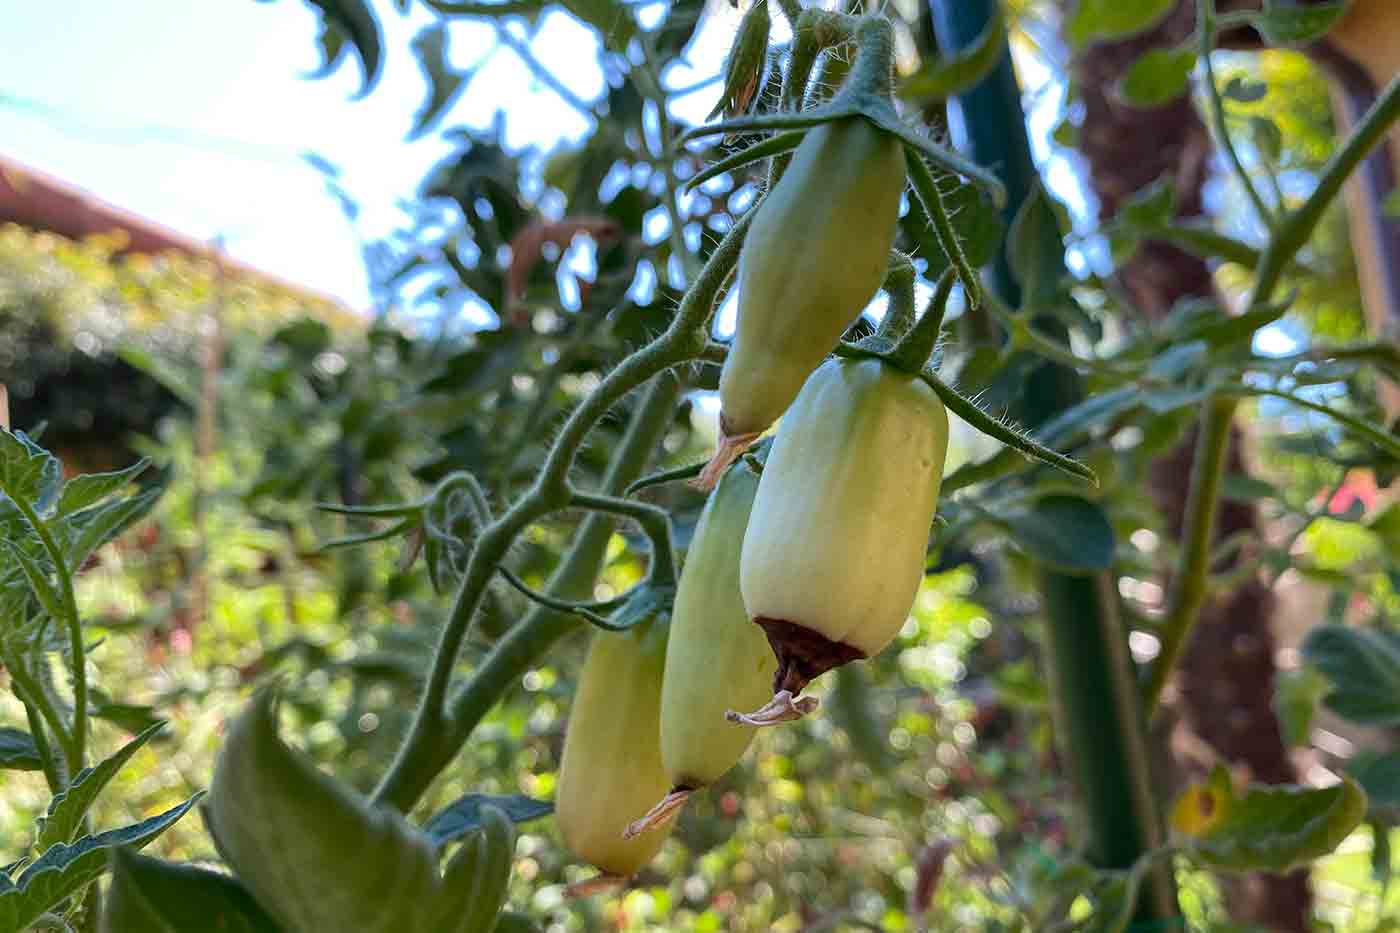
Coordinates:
[872,72]
[1206,31]
[49,763]
[591,612]
[1297,227]
[775,145]
[653,520]
[1381,438]
[524,644]
[1091,676]
[36,703]
[899,286]
[431,740]
[689,471]
[800,62]
[1094,694]
[812,32]
[792,11]
[931,199]
[1191,578]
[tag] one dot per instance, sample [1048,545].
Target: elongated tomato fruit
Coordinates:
[836,543]
[814,258]
[715,658]
[611,769]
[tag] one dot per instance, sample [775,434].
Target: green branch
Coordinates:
[38,709]
[931,200]
[1297,227]
[1190,581]
[432,739]
[1205,31]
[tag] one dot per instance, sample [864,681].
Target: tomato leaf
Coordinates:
[1363,666]
[1296,25]
[1158,77]
[70,805]
[148,895]
[66,869]
[1274,828]
[1069,533]
[465,814]
[371,869]
[18,751]
[941,78]
[1114,19]
[355,20]
[1296,697]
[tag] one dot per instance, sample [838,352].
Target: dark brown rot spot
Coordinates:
[803,655]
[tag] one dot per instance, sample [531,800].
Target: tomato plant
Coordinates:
[398,534]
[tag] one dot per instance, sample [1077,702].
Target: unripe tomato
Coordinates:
[611,770]
[715,659]
[814,257]
[835,547]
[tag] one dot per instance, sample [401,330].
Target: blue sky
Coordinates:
[197,114]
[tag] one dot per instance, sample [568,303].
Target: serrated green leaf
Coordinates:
[476,880]
[179,379]
[1069,533]
[1391,205]
[398,509]
[610,17]
[1288,24]
[66,869]
[1244,488]
[148,895]
[976,221]
[941,78]
[1158,77]
[133,717]
[511,922]
[1363,666]
[445,84]
[83,491]
[356,20]
[1173,362]
[392,531]
[28,471]
[1162,401]
[1378,773]
[1267,136]
[1115,19]
[68,807]
[286,828]
[91,528]
[464,815]
[1098,409]
[1033,226]
[1150,208]
[1297,694]
[39,583]
[1267,828]
[1245,91]
[1386,525]
[18,751]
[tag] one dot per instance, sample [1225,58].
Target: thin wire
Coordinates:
[73,124]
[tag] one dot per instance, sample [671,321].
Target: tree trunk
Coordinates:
[1229,666]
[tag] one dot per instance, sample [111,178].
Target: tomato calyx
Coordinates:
[803,654]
